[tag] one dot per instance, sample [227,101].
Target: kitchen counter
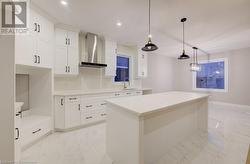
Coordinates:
[94,91]
[142,105]
[148,126]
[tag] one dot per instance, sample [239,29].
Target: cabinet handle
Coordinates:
[37,131]
[61,102]
[104,104]
[66,41]
[69,68]
[89,117]
[89,106]
[74,98]
[66,69]
[128,93]
[35,58]
[69,41]
[39,29]
[39,59]
[79,106]
[103,114]
[35,26]
[117,94]
[18,134]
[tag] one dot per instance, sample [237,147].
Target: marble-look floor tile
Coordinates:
[226,142]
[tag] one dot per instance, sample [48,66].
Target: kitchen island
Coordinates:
[142,129]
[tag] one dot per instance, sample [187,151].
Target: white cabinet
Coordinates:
[67,112]
[142,64]
[74,111]
[34,127]
[36,48]
[67,52]
[110,57]
[18,131]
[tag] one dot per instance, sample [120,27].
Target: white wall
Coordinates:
[239,77]
[93,78]
[7,97]
[160,73]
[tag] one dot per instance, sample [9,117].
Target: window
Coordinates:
[212,76]
[122,69]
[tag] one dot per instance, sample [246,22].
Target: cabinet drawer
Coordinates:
[102,104]
[72,99]
[88,106]
[35,132]
[137,93]
[88,117]
[102,114]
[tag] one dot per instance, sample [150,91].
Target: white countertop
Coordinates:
[94,91]
[146,104]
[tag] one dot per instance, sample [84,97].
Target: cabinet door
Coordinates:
[142,67]
[61,52]
[73,53]
[73,61]
[45,29]
[17,137]
[110,58]
[60,62]
[73,114]
[60,112]
[25,45]
[73,39]
[45,54]
[45,43]
[61,37]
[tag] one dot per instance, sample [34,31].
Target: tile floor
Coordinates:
[226,142]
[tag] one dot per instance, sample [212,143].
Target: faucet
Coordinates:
[126,86]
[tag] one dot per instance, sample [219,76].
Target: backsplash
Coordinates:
[89,79]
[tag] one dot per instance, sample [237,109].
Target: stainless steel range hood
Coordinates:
[91,55]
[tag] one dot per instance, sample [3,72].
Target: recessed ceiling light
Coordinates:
[64,3]
[119,24]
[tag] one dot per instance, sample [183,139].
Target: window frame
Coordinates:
[226,79]
[130,70]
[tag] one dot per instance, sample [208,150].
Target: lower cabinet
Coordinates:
[34,127]
[74,111]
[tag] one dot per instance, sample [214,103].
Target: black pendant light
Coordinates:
[149,46]
[194,66]
[184,55]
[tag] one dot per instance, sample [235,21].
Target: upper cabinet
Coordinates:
[110,50]
[142,64]
[36,48]
[67,52]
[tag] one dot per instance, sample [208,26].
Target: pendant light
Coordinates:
[184,55]
[149,46]
[194,66]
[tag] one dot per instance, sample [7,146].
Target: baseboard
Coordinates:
[80,126]
[243,108]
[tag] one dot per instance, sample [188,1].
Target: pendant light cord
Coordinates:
[183,36]
[149,20]
[196,56]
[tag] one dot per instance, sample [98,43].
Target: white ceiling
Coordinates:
[213,25]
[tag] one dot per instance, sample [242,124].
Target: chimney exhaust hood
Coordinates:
[91,55]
